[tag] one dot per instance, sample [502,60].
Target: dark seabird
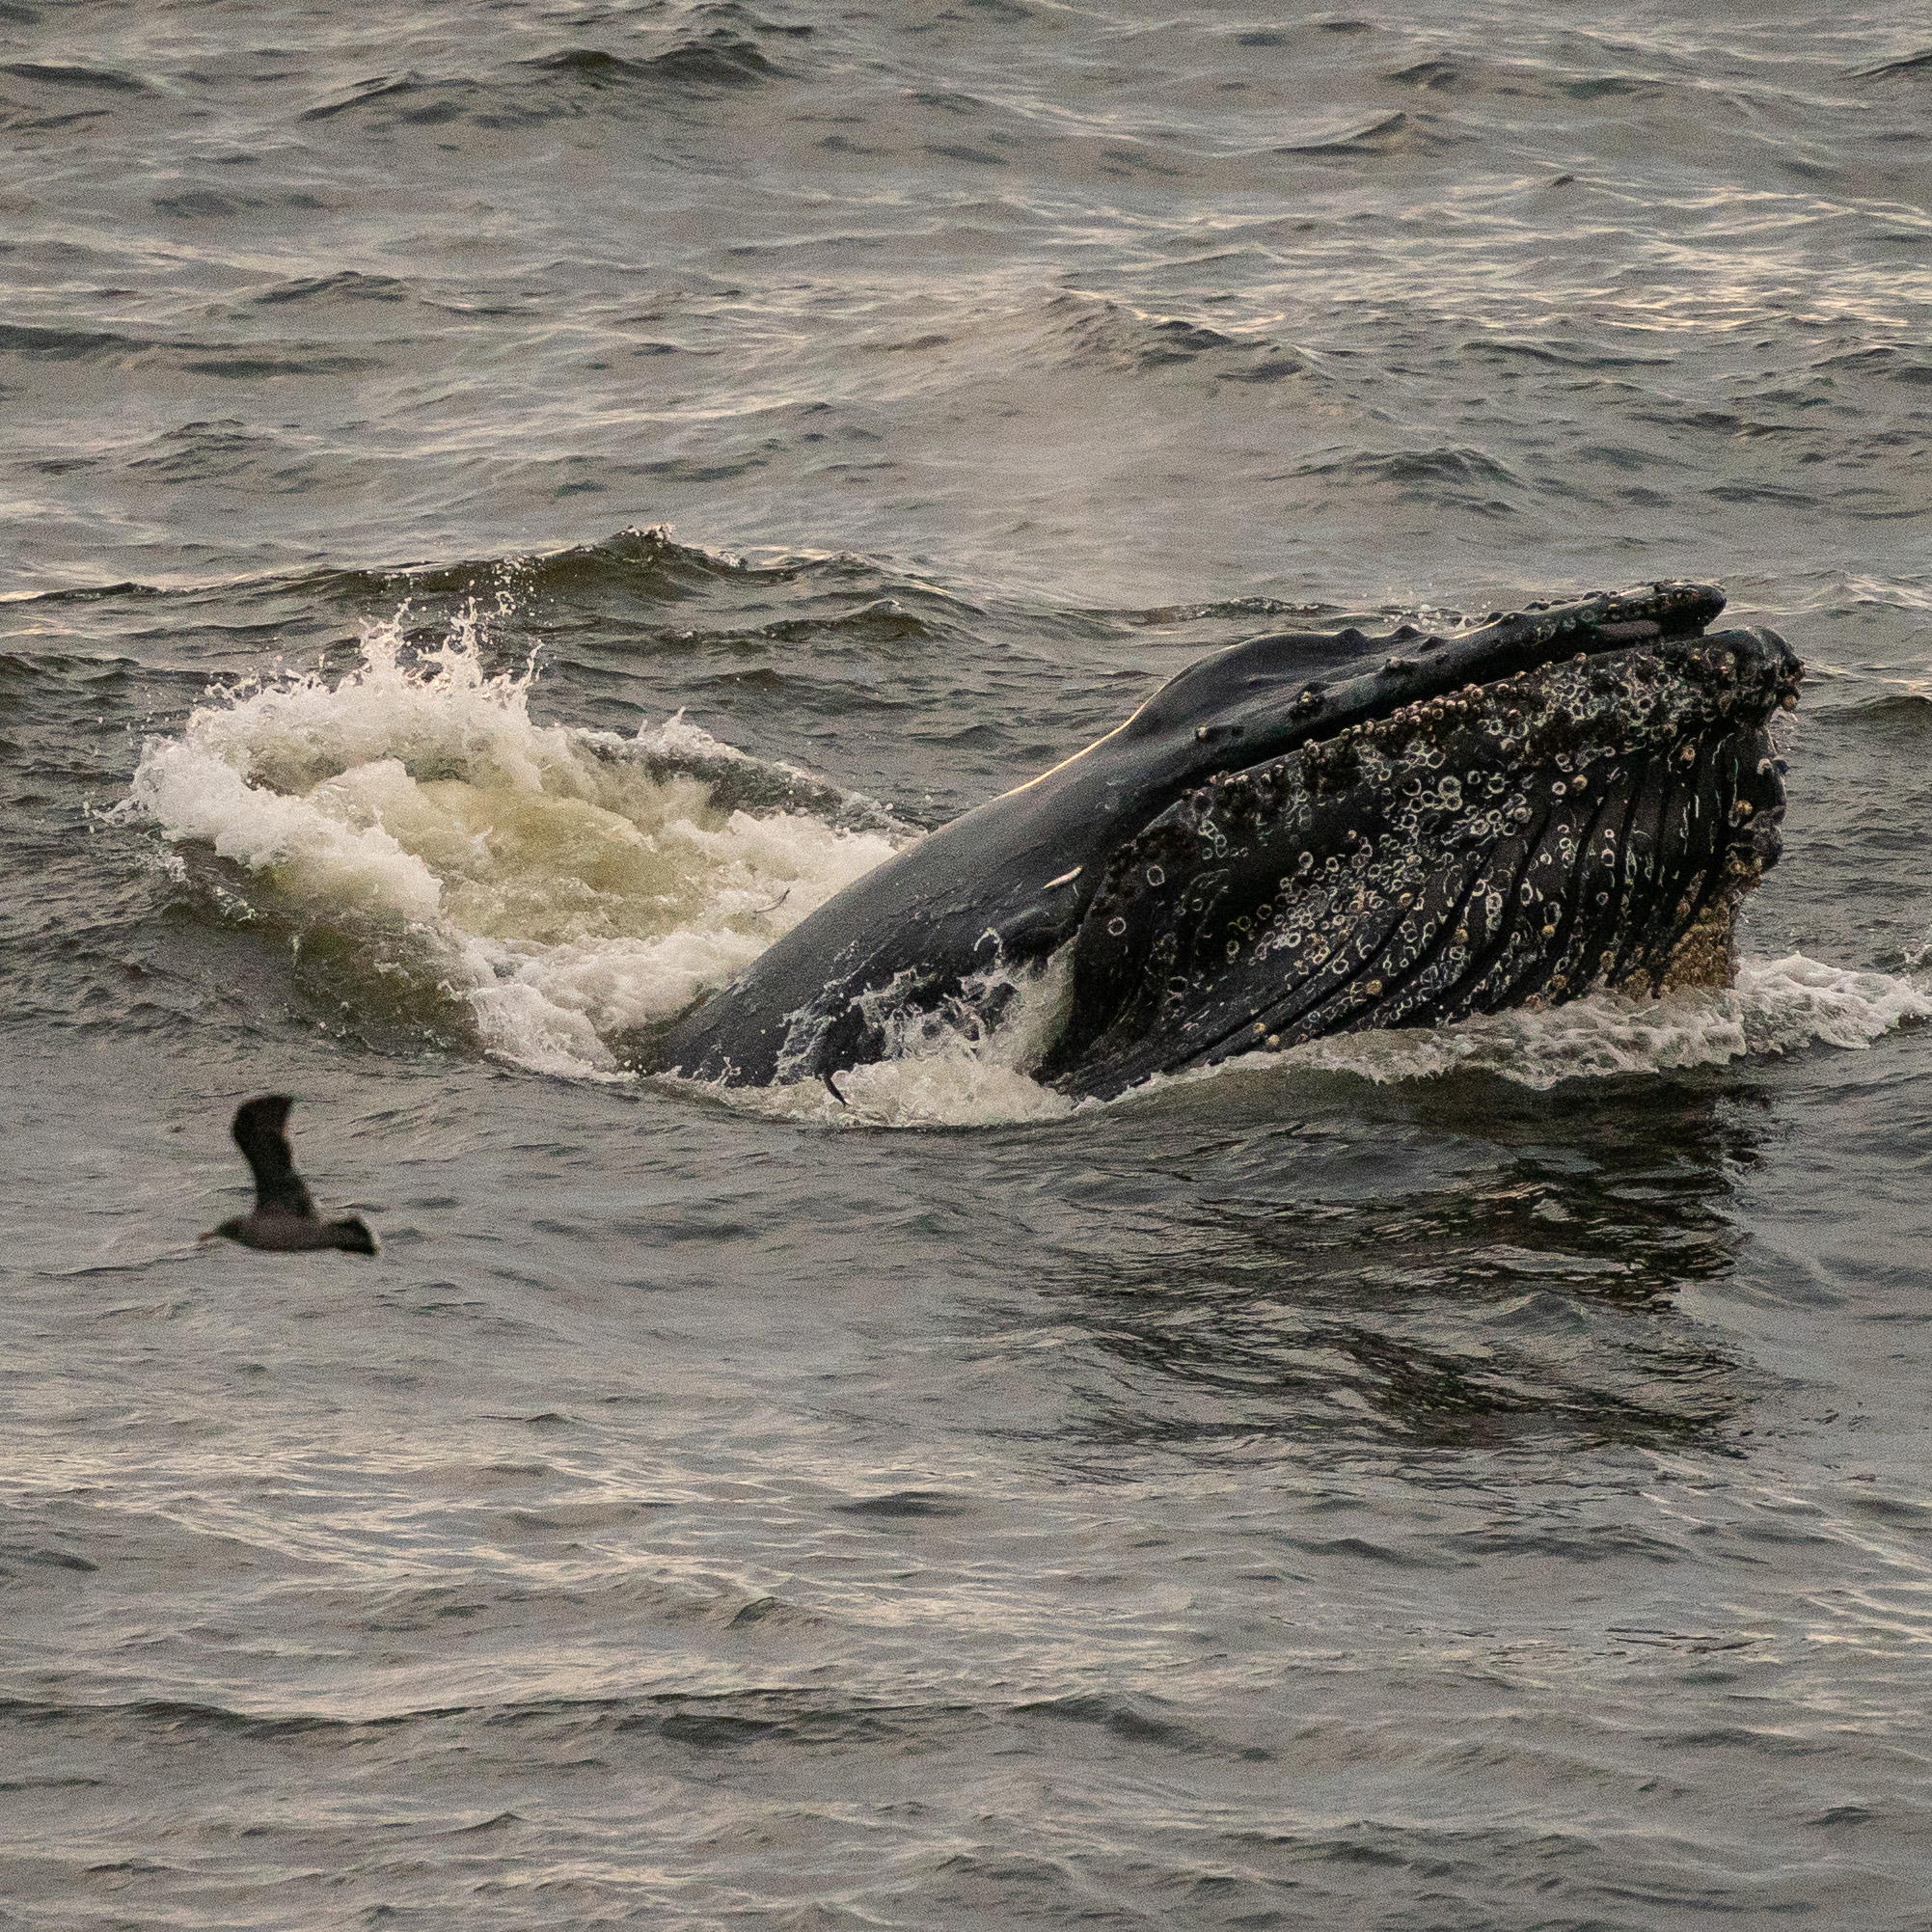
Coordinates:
[284,1218]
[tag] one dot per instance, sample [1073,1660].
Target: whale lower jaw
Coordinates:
[1583,826]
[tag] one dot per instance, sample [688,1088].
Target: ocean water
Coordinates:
[511,505]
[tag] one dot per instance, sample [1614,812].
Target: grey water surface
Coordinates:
[1290,1499]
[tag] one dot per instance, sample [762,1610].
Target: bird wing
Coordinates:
[258,1133]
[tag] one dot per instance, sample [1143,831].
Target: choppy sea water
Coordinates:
[1462,1479]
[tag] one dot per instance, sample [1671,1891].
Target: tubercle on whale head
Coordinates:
[1256,699]
[1262,684]
[1709,664]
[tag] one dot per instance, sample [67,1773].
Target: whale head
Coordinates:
[1560,802]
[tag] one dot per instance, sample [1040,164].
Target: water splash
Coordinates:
[566,885]
[952,1070]
[968,1065]
[1777,1006]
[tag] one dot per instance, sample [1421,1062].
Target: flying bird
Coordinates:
[284,1219]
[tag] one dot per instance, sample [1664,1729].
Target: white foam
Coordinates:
[1776,1006]
[948,1068]
[543,874]
[952,1072]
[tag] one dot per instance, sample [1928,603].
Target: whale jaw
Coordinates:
[1586,825]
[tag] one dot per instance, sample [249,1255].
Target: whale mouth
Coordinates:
[1568,827]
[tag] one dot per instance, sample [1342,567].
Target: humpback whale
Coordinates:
[1316,833]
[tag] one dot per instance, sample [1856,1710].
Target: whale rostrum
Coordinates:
[1314,832]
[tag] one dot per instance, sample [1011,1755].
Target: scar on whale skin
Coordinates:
[1310,833]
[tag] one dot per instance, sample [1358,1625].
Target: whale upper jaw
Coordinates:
[1260,691]
[1587,821]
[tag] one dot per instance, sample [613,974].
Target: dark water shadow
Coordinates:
[1450,1264]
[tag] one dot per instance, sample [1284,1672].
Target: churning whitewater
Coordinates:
[562,894]
[565,887]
